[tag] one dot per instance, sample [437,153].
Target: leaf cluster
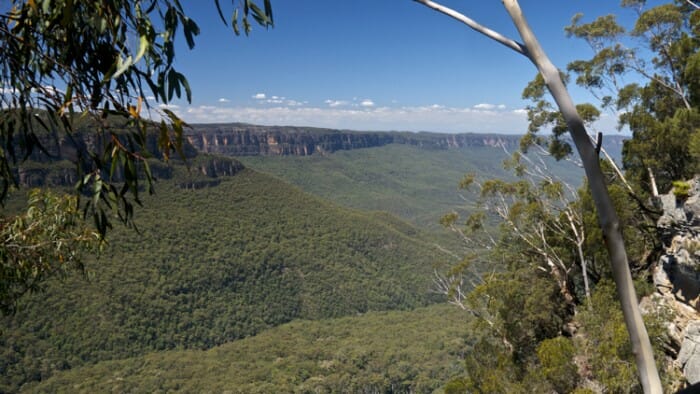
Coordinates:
[541,114]
[47,240]
[661,49]
[67,61]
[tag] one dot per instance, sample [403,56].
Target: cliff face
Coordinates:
[56,163]
[237,139]
[250,140]
[58,146]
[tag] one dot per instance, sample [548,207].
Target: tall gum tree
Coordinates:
[647,76]
[607,217]
[81,71]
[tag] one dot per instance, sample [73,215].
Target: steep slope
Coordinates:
[419,185]
[400,352]
[412,175]
[215,264]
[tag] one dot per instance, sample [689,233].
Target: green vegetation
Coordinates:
[662,111]
[216,264]
[44,241]
[410,182]
[681,189]
[67,64]
[411,351]
[416,184]
[583,258]
[210,293]
[89,51]
[536,330]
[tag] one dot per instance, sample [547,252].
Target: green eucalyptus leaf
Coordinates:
[143,46]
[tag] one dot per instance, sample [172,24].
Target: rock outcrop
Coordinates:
[689,355]
[679,226]
[677,276]
[207,171]
[57,146]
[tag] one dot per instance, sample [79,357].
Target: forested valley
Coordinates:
[158,256]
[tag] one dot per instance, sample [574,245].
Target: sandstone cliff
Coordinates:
[55,163]
[238,139]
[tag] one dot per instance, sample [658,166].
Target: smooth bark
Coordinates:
[607,216]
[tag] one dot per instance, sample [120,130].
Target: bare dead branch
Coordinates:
[498,37]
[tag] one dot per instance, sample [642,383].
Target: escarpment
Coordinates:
[217,145]
[250,140]
[54,162]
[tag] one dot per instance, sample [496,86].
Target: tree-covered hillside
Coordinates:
[419,185]
[398,351]
[216,264]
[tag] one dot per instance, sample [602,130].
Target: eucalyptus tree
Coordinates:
[83,70]
[608,219]
[41,242]
[649,76]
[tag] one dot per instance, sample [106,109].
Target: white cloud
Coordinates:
[416,118]
[262,98]
[224,100]
[8,91]
[335,103]
[48,89]
[485,106]
[367,103]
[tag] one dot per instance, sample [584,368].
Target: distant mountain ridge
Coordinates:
[246,140]
[239,139]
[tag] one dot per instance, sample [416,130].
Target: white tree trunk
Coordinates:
[607,217]
[652,182]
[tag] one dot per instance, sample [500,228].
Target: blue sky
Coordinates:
[375,65]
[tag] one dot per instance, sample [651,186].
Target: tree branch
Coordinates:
[607,216]
[498,37]
[693,4]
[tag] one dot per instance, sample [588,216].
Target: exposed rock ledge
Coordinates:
[677,276]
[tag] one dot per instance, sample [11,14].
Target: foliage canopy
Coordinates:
[67,60]
[81,71]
